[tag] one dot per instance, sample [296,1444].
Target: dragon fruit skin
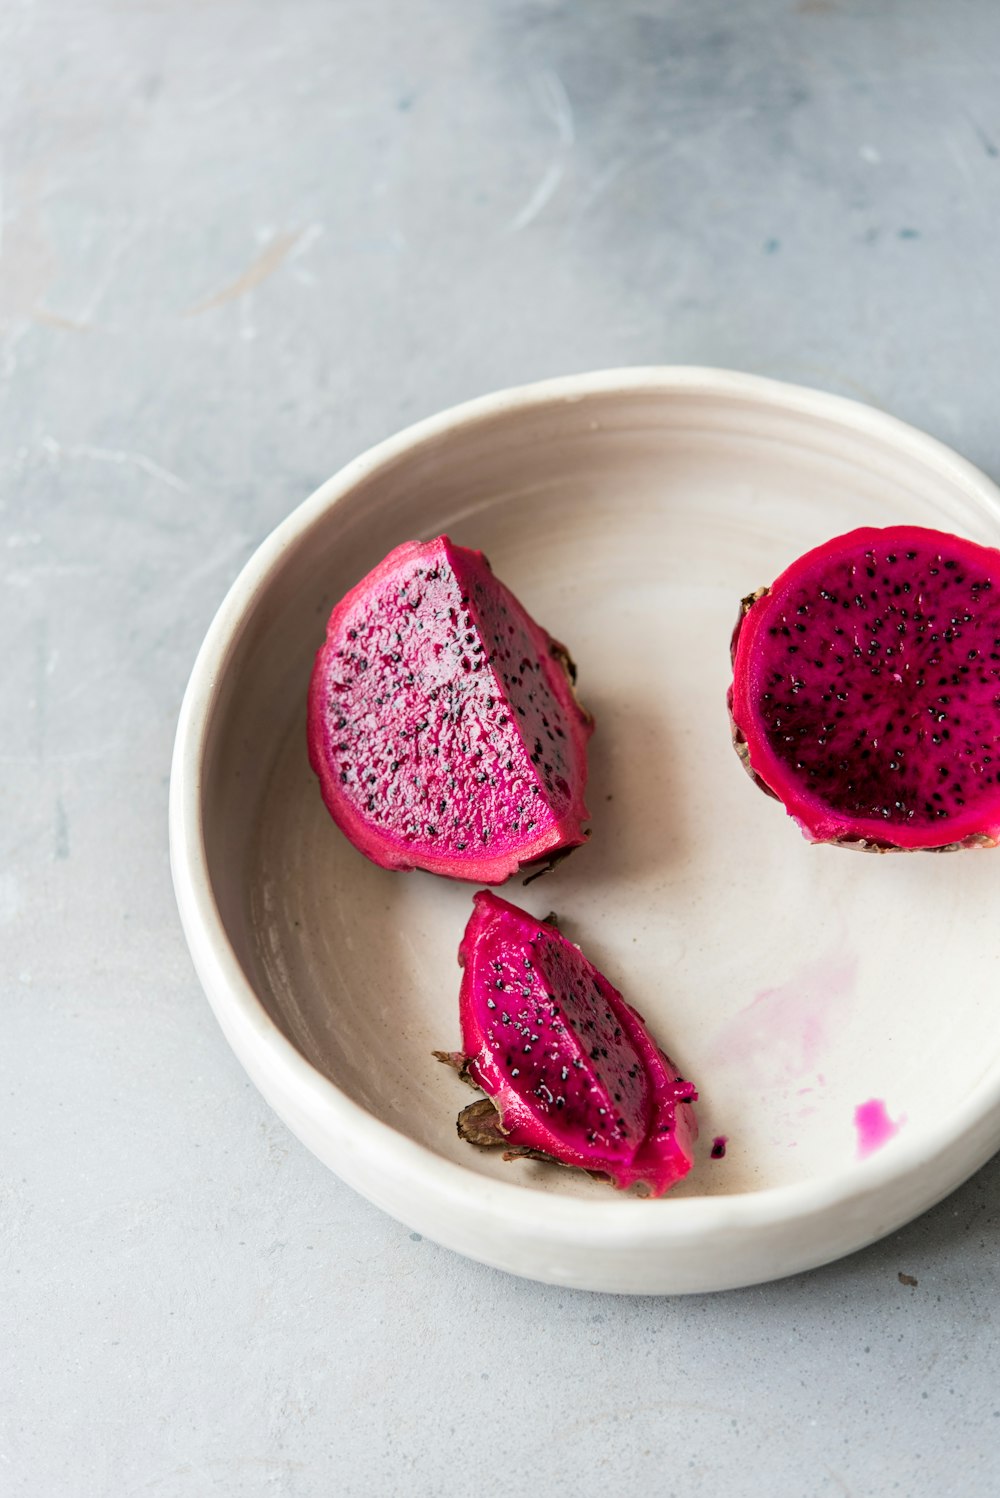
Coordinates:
[570,1067]
[443,726]
[866,690]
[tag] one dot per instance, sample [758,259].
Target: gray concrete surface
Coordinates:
[241,241]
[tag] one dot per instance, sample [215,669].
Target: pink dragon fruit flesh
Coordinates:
[570,1072]
[443,724]
[866,690]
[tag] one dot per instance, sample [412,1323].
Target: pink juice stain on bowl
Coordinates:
[782,1036]
[875,1127]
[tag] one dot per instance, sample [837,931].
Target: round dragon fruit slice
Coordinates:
[442,721]
[570,1072]
[866,690]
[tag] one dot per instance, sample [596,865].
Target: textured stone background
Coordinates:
[241,241]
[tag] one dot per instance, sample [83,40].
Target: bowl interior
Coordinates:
[792,983]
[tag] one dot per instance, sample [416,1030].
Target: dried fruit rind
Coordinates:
[866,691]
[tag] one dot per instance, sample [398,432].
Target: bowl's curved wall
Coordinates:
[630,511]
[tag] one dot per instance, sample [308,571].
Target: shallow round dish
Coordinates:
[837,1012]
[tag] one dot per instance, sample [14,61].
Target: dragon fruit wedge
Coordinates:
[570,1072]
[442,721]
[866,691]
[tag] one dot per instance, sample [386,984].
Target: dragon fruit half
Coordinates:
[866,690]
[570,1072]
[442,721]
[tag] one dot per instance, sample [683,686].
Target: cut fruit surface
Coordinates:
[443,725]
[866,690]
[572,1071]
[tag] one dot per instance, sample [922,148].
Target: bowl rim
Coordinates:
[274,1062]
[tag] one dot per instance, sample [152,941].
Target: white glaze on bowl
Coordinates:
[629,511]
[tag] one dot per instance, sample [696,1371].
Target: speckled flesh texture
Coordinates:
[442,721]
[571,1068]
[866,691]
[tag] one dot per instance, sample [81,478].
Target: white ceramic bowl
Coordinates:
[629,510]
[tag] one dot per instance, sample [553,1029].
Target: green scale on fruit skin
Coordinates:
[876,687]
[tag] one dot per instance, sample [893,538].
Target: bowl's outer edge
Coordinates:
[684,1246]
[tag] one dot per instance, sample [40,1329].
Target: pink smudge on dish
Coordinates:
[874,1126]
[781,1036]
